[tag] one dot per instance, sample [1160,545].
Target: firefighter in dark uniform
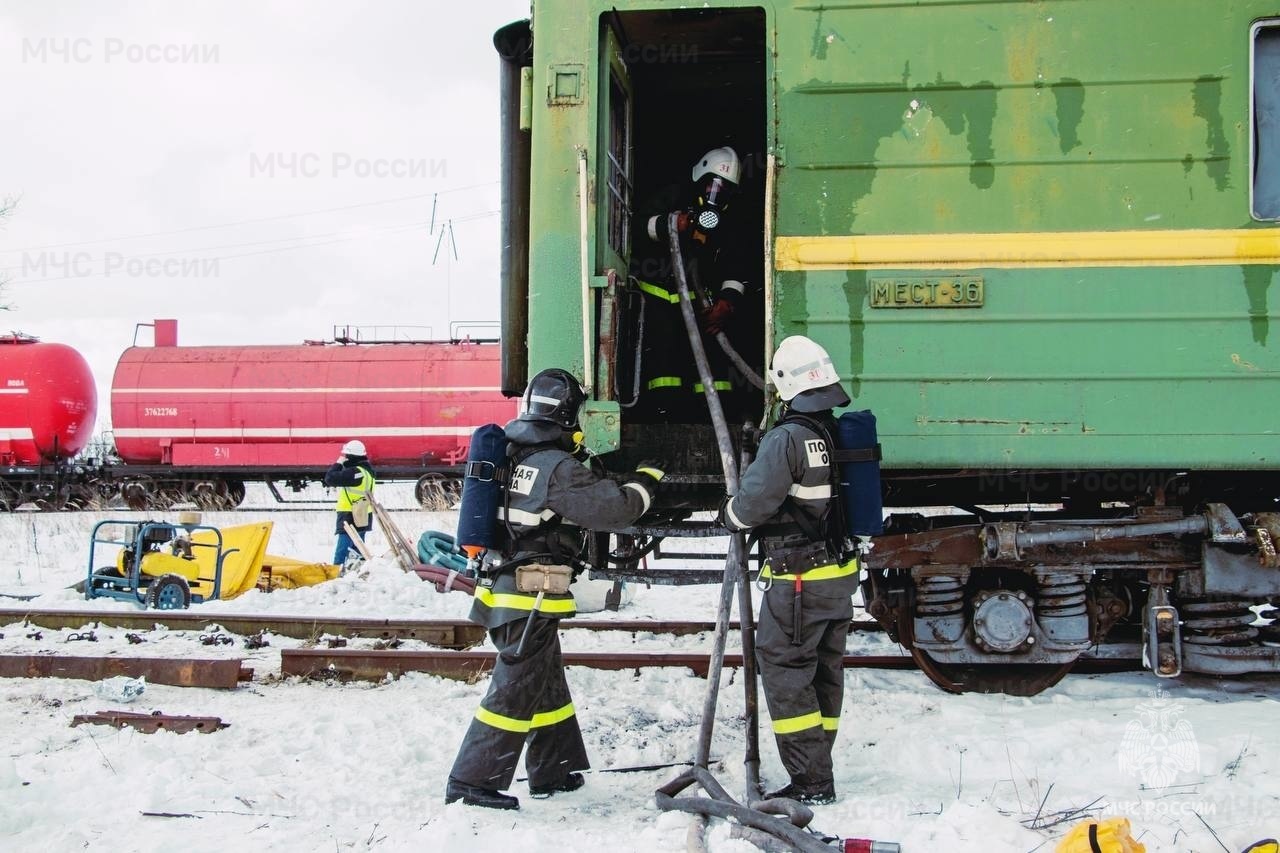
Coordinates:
[670,390]
[528,699]
[789,497]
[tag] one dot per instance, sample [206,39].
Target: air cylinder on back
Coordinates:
[482,490]
[859,458]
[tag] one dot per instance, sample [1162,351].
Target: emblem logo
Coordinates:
[1157,745]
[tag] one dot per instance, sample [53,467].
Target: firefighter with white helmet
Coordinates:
[789,497]
[670,389]
[550,500]
[353,476]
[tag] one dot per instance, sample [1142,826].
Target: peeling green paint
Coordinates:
[869,128]
[793,294]
[970,110]
[1257,281]
[855,293]
[819,50]
[1206,94]
[1068,95]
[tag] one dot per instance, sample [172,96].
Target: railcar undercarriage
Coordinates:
[1009,606]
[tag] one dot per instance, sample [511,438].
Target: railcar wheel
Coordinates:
[1012,679]
[204,494]
[437,492]
[134,495]
[169,592]
[235,494]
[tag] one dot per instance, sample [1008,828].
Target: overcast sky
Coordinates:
[259,170]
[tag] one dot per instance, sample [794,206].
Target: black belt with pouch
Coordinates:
[796,558]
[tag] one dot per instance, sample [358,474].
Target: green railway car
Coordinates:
[1038,239]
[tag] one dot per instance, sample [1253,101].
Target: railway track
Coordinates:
[376,665]
[455,658]
[447,633]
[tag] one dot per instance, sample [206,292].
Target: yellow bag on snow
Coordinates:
[1109,835]
[288,573]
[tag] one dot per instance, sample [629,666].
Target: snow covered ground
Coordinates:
[309,766]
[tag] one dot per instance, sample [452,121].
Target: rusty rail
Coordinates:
[447,633]
[438,632]
[178,672]
[371,665]
[151,723]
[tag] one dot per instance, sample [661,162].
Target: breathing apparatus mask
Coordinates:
[714,194]
[715,177]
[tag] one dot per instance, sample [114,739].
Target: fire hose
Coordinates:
[446,579]
[762,815]
[735,568]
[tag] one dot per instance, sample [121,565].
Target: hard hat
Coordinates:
[553,396]
[719,161]
[355,447]
[805,376]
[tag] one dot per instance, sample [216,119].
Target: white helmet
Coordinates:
[802,365]
[719,161]
[355,447]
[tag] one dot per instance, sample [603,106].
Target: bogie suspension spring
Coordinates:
[1218,623]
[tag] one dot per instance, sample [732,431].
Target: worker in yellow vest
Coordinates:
[353,476]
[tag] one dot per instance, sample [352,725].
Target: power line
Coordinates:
[250,221]
[396,229]
[372,232]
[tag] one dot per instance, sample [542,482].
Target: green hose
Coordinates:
[440,549]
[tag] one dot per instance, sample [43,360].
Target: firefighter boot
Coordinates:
[811,795]
[473,796]
[572,782]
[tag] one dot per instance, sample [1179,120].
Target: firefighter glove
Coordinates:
[659,228]
[716,318]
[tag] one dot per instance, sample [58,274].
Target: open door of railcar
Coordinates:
[673,85]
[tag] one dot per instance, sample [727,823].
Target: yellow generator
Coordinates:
[169,566]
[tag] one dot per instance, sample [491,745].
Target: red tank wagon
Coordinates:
[203,420]
[47,402]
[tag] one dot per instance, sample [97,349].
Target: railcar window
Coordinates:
[619,169]
[1266,120]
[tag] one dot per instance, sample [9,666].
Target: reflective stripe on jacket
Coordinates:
[793,462]
[832,571]
[546,487]
[348,495]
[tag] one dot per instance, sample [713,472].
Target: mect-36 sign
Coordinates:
[926,292]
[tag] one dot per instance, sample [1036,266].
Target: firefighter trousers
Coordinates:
[528,701]
[802,669]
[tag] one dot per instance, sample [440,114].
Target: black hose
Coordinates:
[751,696]
[718,422]
[735,569]
[721,805]
[739,362]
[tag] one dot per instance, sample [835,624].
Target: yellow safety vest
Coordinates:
[348,495]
